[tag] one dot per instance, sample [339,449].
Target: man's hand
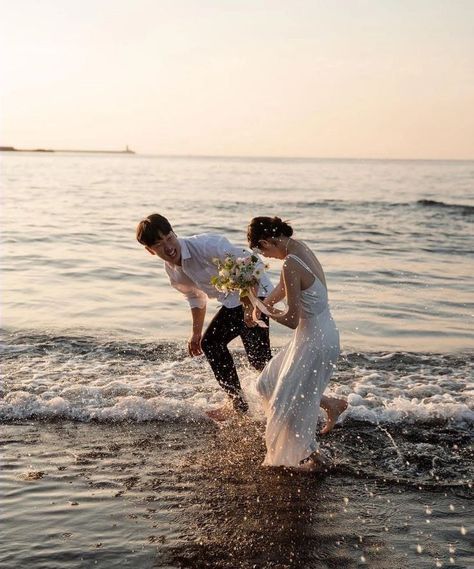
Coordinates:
[248,316]
[194,345]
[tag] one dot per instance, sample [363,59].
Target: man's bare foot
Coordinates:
[220,415]
[334,407]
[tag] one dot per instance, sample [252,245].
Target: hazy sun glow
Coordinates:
[368,78]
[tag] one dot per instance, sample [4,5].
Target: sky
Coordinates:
[332,78]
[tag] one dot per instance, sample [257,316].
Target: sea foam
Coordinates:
[116,383]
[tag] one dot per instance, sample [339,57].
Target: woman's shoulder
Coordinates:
[293,262]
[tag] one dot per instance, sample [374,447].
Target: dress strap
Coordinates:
[302,263]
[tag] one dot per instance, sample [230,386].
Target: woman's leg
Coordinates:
[333,407]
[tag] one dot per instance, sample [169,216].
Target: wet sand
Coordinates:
[173,495]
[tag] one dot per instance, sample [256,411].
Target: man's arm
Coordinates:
[197,300]
[194,343]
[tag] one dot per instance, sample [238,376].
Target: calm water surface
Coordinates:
[395,238]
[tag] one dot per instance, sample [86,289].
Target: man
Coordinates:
[190,265]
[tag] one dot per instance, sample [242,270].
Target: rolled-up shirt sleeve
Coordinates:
[196,298]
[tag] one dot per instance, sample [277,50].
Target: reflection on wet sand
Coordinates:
[180,494]
[244,515]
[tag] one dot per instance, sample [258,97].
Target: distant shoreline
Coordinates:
[238,157]
[48,150]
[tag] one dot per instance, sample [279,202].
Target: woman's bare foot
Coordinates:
[221,414]
[317,462]
[308,465]
[333,407]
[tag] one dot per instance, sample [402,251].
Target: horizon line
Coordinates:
[280,157]
[240,156]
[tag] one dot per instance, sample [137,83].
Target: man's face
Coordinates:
[167,247]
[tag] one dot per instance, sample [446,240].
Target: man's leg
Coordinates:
[224,327]
[256,342]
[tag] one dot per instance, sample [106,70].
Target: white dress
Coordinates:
[293,382]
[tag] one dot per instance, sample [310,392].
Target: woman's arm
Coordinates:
[277,294]
[292,286]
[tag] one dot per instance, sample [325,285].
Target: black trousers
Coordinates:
[226,325]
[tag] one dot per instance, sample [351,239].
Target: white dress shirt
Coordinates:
[193,277]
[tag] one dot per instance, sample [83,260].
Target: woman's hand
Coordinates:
[256,314]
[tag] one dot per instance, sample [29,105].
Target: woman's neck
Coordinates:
[288,247]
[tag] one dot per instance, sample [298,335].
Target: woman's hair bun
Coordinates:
[282,227]
[267,228]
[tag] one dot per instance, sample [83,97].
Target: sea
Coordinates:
[93,347]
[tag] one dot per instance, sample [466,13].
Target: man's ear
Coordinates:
[150,250]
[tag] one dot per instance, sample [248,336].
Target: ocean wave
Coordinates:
[348,205]
[86,378]
[461,208]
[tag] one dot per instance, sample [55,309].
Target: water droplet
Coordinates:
[451,507]
[419,549]
[463,530]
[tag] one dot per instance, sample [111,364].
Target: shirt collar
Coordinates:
[185,253]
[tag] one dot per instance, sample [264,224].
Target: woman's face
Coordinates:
[267,248]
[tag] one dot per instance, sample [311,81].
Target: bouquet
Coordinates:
[239,274]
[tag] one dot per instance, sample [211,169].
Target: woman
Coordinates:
[293,382]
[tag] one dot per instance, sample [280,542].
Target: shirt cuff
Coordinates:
[197,302]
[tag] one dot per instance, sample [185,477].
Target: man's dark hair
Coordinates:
[152,228]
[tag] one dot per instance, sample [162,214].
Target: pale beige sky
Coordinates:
[340,78]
